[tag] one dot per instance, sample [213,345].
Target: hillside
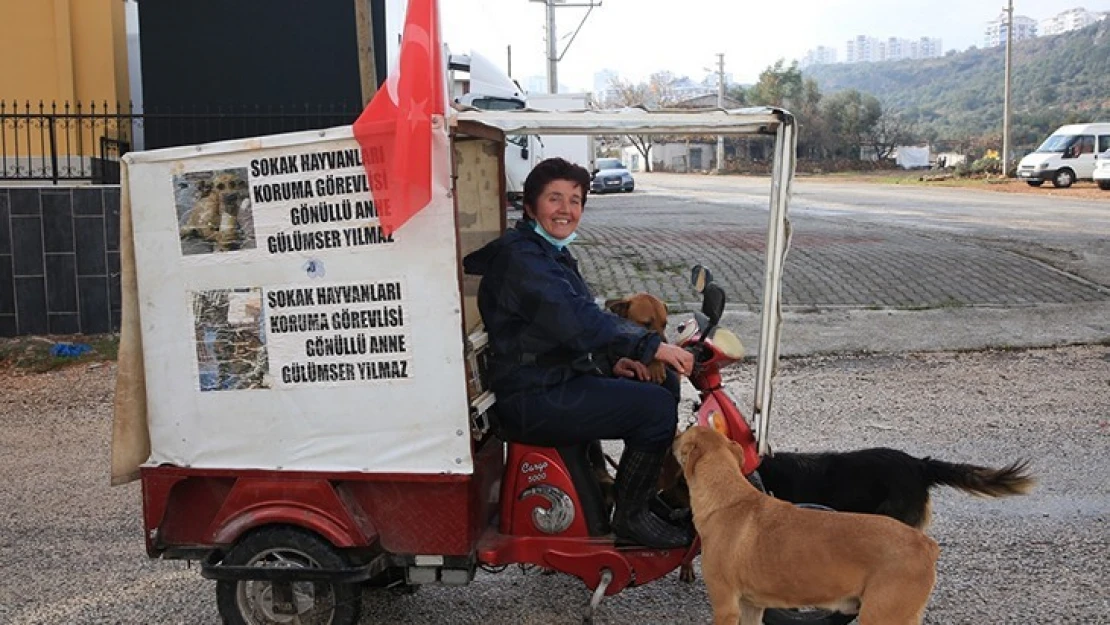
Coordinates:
[1054,80]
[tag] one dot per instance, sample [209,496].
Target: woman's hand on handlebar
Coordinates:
[676,358]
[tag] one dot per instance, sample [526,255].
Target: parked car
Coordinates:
[611,175]
[1102,171]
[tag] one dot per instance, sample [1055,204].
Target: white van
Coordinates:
[1069,154]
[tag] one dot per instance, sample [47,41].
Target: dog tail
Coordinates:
[1013,479]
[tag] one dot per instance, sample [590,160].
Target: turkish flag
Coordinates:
[395,130]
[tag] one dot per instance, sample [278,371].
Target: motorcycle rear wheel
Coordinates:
[315,603]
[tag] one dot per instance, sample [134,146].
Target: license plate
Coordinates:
[613,183]
[1023,174]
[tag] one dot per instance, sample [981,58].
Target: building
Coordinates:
[926,48]
[66,50]
[864,49]
[995,33]
[1067,21]
[711,79]
[680,157]
[603,84]
[66,69]
[821,55]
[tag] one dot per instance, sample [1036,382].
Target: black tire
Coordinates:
[797,617]
[807,617]
[1063,178]
[1104,185]
[319,603]
[1034,183]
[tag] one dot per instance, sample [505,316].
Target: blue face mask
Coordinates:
[558,243]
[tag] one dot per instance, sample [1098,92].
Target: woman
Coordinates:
[565,371]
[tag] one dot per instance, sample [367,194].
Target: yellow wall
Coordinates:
[63,50]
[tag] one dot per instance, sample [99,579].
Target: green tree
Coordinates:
[851,117]
[778,86]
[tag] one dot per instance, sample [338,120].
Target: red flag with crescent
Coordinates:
[395,130]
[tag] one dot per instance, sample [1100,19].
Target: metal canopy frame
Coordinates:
[764,121]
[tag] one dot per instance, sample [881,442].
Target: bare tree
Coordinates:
[889,131]
[657,93]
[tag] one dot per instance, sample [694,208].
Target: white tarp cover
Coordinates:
[911,157]
[279,328]
[759,120]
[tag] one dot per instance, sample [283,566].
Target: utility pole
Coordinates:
[364,33]
[552,49]
[553,54]
[1006,89]
[720,105]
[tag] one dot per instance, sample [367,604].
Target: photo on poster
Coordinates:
[214,212]
[230,339]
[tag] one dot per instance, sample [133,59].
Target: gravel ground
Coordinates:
[72,552]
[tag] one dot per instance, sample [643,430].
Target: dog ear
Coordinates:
[737,452]
[618,307]
[693,454]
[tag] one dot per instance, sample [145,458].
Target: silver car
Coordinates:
[611,175]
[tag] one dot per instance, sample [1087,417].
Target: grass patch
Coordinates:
[32,353]
[672,267]
[949,303]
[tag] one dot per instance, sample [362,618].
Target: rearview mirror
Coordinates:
[524,153]
[700,277]
[713,303]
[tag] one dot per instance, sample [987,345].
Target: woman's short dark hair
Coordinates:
[554,169]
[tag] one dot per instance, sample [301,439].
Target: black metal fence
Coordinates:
[76,142]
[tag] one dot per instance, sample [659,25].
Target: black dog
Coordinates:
[883,481]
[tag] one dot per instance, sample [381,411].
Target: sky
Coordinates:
[638,37]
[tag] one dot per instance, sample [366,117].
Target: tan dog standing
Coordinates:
[759,552]
[644,309]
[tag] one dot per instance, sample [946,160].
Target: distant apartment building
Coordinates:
[995,33]
[1067,21]
[603,85]
[861,49]
[710,79]
[821,55]
[870,49]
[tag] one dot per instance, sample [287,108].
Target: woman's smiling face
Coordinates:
[558,208]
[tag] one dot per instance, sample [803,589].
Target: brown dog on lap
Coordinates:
[759,552]
[650,312]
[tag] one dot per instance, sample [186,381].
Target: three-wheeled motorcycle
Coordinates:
[303,394]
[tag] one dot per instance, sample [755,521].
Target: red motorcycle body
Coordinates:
[522,505]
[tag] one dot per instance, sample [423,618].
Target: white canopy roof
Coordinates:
[637,121]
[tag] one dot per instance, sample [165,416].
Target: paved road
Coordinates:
[881,246]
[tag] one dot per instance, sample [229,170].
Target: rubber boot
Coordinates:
[633,521]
